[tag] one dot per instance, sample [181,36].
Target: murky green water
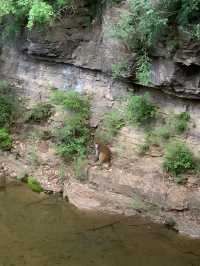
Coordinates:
[48,232]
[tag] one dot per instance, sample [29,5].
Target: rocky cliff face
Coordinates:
[73,54]
[175,68]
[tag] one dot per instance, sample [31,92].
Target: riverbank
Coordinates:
[134,185]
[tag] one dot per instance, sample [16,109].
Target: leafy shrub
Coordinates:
[40,12]
[178,123]
[112,123]
[72,139]
[143,69]
[34,185]
[40,112]
[178,158]
[119,69]
[159,135]
[73,101]
[5,140]
[6,111]
[140,109]
[145,23]
[29,12]
[139,29]
[9,105]
[197,31]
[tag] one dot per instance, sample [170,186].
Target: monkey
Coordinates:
[102,153]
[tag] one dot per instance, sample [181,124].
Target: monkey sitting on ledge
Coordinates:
[102,153]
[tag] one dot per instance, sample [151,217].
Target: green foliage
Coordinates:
[140,110]
[40,12]
[188,11]
[112,123]
[34,185]
[197,31]
[175,124]
[143,69]
[178,158]
[180,179]
[72,138]
[9,105]
[158,136]
[17,13]
[144,23]
[72,101]
[6,111]
[80,168]
[119,69]
[142,149]
[139,27]
[178,123]
[40,112]
[5,140]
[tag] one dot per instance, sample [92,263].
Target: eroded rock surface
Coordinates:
[88,45]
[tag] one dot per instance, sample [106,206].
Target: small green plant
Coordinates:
[178,123]
[112,123]
[72,139]
[142,149]
[119,69]
[143,69]
[40,112]
[5,140]
[80,168]
[140,110]
[9,104]
[178,158]
[30,13]
[180,179]
[158,136]
[197,31]
[73,101]
[34,185]
[6,111]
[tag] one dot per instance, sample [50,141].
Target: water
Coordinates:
[36,231]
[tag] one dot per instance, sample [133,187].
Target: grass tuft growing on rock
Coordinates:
[5,140]
[140,110]
[178,123]
[39,113]
[73,101]
[34,185]
[111,125]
